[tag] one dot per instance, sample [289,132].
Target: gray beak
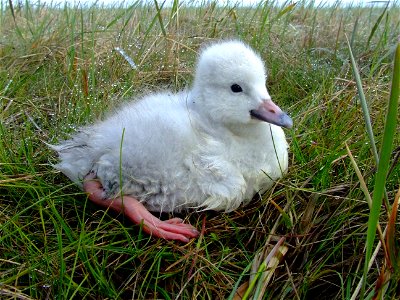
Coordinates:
[269,112]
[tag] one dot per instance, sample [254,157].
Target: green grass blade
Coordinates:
[364,105]
[380,179]
[160,20]
[122,14]
[285,10]
[236,286]
[354,32]
[10,4]
[376,25]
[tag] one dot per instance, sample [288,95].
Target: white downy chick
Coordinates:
[209,147]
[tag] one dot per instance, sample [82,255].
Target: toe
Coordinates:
[184,229]
[174,221]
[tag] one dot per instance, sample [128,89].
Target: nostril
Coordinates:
[272,111]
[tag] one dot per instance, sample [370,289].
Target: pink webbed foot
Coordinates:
[173,229]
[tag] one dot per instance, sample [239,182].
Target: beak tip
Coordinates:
[282,119]
[269,112]
[286,121]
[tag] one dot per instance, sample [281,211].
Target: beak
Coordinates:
[269,112]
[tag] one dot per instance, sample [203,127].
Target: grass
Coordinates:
[59,69]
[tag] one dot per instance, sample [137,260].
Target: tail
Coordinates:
[76,157]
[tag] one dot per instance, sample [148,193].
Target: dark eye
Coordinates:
[236,88]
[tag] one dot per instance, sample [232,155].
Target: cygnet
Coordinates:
[210,147]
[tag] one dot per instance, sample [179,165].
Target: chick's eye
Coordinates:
[236,88]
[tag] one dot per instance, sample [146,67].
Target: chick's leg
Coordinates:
[173,229]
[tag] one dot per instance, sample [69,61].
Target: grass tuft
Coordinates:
[65,66]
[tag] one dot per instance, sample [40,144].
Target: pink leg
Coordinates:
[173,229]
